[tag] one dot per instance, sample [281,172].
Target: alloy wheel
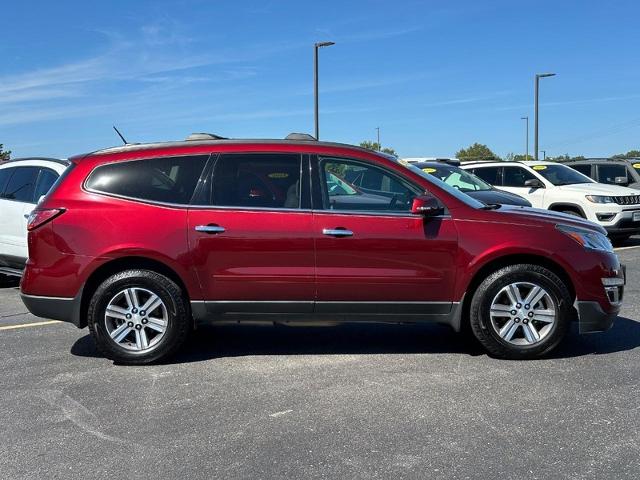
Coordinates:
[523,313]
[136,319]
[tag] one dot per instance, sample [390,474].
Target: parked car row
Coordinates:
[141,243]
[557,187]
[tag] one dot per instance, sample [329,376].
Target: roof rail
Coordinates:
[301,136]
[61,161]
[204,136]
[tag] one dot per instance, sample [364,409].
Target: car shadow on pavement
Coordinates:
[211,342]
[623,336]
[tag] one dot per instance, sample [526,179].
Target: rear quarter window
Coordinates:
[165,179]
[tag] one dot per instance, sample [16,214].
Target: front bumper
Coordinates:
[55,308]
[591,317]
[623,223]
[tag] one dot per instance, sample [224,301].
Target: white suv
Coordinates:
[560,188]
[22,183]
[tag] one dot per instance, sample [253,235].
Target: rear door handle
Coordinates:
[337,232]
[211,228]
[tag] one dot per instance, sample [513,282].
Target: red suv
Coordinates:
[143,242]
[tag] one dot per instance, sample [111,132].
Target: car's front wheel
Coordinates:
[521,311]
[138,317]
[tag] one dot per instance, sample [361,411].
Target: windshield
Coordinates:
[454,192]
[456,177]
[561,174]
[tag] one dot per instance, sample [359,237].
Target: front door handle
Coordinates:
[337,232]
[211,228]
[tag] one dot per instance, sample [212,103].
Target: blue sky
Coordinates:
[433,75]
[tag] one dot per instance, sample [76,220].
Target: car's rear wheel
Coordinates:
[138,317]
[521,311]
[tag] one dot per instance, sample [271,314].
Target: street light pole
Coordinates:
[526,156]
[379,146]
[535,135]
[317,46]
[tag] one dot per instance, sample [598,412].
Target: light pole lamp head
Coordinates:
[324,44]
[542,75]
[524,118]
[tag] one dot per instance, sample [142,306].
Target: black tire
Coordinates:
[9,281]
[481,304]
[178,326]
[572,212]
[618,240]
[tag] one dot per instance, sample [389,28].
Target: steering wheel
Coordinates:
[393,202]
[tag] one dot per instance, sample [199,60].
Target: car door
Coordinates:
[17,204]
[513,180]
[373,256]
[250,236]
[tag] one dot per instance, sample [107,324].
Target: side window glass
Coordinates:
[22,184]
[584,169]
[166,179]
[515,176]
[45,180]
[490,175]
[5,174]
[352,185]
[261,180]
[613,174]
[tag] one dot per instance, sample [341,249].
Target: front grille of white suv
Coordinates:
[627,200]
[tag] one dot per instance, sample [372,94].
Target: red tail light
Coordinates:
[41,216]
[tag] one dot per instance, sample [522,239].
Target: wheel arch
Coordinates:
[561,206]
[120,264]
[512,259]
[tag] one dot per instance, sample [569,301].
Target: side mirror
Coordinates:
[621,181]
[533,183]
[426,205]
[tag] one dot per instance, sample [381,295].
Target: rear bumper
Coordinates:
[55,308]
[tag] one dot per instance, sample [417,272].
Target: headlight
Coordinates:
[599,199]
[587,238]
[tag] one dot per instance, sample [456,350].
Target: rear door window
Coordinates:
[584,169]
[490,175]
[166,179]
[21,184]
[262,180]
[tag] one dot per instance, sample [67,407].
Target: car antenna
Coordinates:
[120,135]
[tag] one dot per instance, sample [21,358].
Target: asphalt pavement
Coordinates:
[363,401]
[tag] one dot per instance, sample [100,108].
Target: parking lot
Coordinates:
[335,402]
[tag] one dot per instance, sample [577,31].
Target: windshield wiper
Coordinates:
[491,206]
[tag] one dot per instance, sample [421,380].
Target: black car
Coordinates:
[470,184]
[614,171]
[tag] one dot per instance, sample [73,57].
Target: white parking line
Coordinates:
[25,325]
[626,248]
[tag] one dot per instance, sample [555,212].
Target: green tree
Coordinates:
[377,147]
[4,154]
[629,154]
[517,157]
[477,151]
